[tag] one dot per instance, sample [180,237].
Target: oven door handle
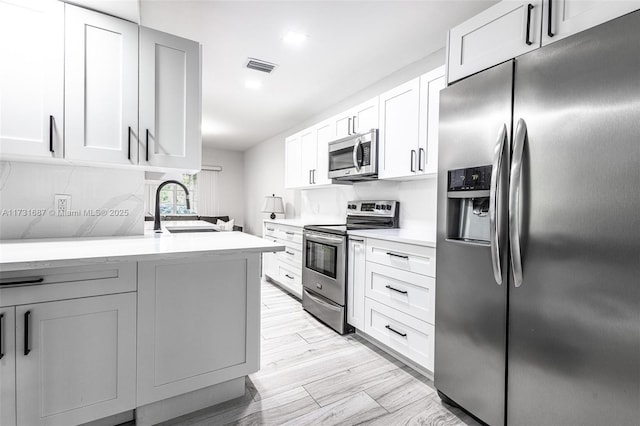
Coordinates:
[322,302]
[322,238]
[356,148]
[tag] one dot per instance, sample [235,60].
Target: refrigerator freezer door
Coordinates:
[470,305]
[574,323]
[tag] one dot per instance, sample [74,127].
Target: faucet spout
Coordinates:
[156,219]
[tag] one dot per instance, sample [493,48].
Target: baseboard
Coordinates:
[180,405]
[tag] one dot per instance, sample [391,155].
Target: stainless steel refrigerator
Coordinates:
[538,266]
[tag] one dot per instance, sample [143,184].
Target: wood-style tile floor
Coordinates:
[312,376]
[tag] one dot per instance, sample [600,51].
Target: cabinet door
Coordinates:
[365,116]
[430,86]
[493,36]
[398,133]
[7,367]
[31,77]
[170,101]
[198,323]
[343,125]
[75,359]
[293,165]
[324,135]
[309,156]
[356,283]
[572,16]
[101,87]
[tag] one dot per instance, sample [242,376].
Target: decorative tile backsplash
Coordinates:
[56,201]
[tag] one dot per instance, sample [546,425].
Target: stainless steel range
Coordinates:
[324,264]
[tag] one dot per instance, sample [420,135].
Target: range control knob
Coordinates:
[377,206]
[388,206]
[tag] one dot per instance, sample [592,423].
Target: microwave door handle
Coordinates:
[356,148]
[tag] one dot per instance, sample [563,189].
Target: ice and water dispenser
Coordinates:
[468,204]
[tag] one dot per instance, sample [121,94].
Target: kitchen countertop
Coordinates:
[292,222]
[420,237]
[54,252]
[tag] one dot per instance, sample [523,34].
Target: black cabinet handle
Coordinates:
[27,349]
[270,229]
[549,16]
[289,233]
[395,289]
[51,133]
[24,281]
[288,276]
[528,39]
[1,336]
[129,144]
[402,256]
[146,148]
[288,252]
[388,327]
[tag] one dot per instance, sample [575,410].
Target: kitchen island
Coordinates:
[95,328]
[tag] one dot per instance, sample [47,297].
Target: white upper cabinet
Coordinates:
[101,87]
[31,78]
[170,101]
[430,86]
[398,133]
[562,18]
[358,119]
[324,135]
[293,167]
[503,31]
[308,155]
[408,134]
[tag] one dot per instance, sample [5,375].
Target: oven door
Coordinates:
[323,267]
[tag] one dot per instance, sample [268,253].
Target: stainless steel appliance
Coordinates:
[538,300]
[355,157]
[324,260]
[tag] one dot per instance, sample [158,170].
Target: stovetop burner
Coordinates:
[364,215]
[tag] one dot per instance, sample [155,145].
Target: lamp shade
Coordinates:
[273,204]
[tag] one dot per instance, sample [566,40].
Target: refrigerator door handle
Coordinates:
[514,202]
[494,223]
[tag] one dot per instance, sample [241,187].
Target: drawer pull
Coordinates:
[395,289]
[271,229]
[27,349]
[288,252]
[1,334]
[402,256]
[289,233]
[24,281]
[388,327]
[288,276]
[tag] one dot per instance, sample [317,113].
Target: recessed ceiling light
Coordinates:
[293,38]
[253,84]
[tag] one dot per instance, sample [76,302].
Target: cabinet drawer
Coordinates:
[410,293]
[413,258]
[270,230]
[42,285]
[290,279]
[291,255]
[290,234]
[401,332]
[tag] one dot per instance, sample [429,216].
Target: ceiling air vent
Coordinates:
[260,65]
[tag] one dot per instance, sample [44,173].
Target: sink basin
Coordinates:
[179,229]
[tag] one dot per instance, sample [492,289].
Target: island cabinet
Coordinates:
[67,346]
[197,332]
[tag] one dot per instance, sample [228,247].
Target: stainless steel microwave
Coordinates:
[354,157]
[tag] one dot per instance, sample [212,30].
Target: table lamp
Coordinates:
[273,205]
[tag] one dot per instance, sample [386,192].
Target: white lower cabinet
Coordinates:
[75,359]
[284,268]
[196,333]
[391,296]
[401,332]
[356,282]
[7,366]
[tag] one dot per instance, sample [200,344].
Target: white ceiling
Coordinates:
[351,45]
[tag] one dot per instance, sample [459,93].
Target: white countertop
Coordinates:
[53,252]
[420,237]
[291,222]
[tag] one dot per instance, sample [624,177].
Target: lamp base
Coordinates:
[273,216]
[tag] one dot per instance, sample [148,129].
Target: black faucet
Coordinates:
[156,219]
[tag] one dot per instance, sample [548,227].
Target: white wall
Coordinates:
[264,171]
[27,190]
[230,183]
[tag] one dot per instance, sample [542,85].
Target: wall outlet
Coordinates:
[62,204]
